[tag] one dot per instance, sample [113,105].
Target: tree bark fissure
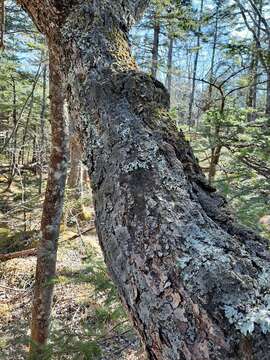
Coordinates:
[193,281]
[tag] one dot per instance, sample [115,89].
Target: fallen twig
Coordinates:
[18,254]
[33,251]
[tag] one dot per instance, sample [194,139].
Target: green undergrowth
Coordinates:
[103,320]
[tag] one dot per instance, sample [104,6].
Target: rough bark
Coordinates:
[194,282]
[51,216]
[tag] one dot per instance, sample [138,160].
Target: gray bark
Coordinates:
[193,281]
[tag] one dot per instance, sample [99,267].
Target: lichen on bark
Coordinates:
[192,279]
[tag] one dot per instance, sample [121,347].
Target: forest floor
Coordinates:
[88,321]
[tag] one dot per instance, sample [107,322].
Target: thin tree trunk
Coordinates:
[215,156]
[155,46]
[31,103]
[252,90]
[34,148]
[193,281]
[14,119]
[213,56]
[217,147]
[169,65]
[22,149]
[260,50]
[267,106]
[51,216]
[14,143]
[74,177]
[198,44]
[42,127]
[2,23]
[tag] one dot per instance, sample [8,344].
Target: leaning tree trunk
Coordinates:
[194,283]
[51,216]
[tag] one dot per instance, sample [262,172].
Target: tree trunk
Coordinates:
[28,118]
[75,173]
[261,51]
[198,44]
[213,56]
[42,127]
[252,90]
[25,132]
[169,65]
[215,156]
[193,282]
[51,216]
[13,160]
[267,106]
[34,147]
[75,177]
[155,46]
[2,23]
